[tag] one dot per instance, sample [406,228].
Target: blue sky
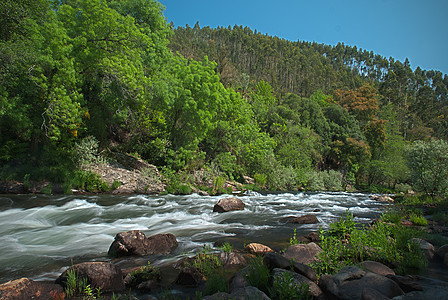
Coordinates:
[416,29]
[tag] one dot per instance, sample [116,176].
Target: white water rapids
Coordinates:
[41,235]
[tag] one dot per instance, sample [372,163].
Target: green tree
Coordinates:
[428,162]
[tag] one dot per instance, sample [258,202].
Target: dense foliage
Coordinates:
[228,102]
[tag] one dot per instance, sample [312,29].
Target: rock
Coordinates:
[248,293]
[427,248]
[382,198]
[303,253]
[305,219]
[431,289]
[255,248]
[445,260]
[371,294]
[298,279]
[162,243]
[106,276]
[274,260]
[313,237]
[406,222]
[351,281]
[25,288]
[228,204]
[376,267]
[406,283]
[135,242]
[190,276]
[232,259]
[218,296]
[239,280]
[442,251]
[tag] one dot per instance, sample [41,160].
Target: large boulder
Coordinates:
[376,267]
[427,248]
[228,204]
[25,288]
[298,280]
[303,253]
[350,283]
[136,243]
[106,276]
[305,219]
[274,260]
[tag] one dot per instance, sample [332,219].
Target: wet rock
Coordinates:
[306,219]
[25,288]
[106,276]
[299,279]
[136,243]
[427,248]
[255,248]
[274,260]
[228,204]
[351,281]
[303,253]
[163,243]
[376,267]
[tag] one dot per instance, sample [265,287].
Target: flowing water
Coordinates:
[41,235]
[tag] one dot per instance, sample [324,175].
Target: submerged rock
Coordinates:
[136,243]
[228,204]
[305,219]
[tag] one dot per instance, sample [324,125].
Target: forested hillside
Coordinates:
[84,78]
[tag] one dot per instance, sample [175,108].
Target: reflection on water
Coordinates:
[41,234]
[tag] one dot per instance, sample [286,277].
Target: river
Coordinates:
[41,235]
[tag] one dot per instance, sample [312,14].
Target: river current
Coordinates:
[41,235]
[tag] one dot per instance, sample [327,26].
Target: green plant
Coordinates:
[284,287]
[344,226]
[417,219]
[218,185]
[144,273]
[226,247]
[76,286]
[260,180]
[293,240]
[258,274]
[216,282]
[87,151]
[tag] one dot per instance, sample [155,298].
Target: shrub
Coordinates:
[218,185]
[418,220]
[90,182]
[325,181]
[258,274]
[87,151]
[284,287]
[260,180]
[226,247]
